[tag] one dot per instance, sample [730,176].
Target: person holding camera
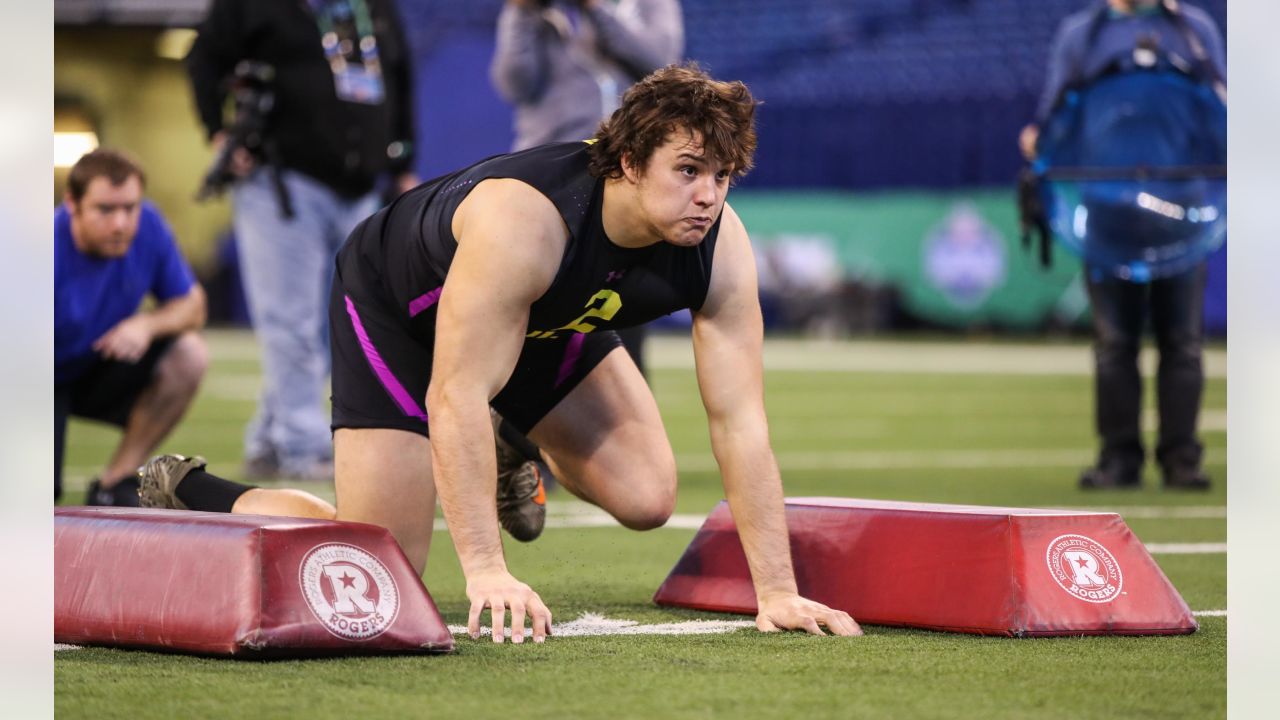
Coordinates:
[340,132]
[135,369]
[564,65]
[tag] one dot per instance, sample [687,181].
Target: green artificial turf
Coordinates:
[903,436]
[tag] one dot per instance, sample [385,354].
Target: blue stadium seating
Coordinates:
[859,93]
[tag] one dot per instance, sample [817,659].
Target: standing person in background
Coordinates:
[564,65]
[1113,36]
[342,127]
[134,369]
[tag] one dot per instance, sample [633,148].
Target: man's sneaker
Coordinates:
[1107,478]
[1186,479]
[522,500]
[122,494]
[160,477]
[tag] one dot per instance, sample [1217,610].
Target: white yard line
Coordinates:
[945,358]
[857,355]
[1187,548]
[908,459]
[562,516]
[868,460]
[595,624]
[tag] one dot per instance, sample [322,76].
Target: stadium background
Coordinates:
[882,197]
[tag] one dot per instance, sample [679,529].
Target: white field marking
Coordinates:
[1187,548]
[1159,512]
[909,459]
[1210,420]
[596,624]
[896,356]
[565,515]
[889,459]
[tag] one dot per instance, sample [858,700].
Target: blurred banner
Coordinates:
[949,259]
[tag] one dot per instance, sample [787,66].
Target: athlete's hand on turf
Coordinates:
[499,592]
[127,341]
[792,612]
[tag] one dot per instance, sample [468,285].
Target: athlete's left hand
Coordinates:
[791,612]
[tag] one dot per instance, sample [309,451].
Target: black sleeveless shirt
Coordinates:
[599,285]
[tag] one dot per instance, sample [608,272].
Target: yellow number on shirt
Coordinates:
[602,306]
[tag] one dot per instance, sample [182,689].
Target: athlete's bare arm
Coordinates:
[727,343]
[510,241]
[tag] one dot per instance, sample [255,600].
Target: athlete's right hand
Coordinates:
[500,591]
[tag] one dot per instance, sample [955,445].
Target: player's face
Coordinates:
[683,190]
[106,218]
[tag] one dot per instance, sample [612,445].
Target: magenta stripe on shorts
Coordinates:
[424,301]
[571,354]
[401,396]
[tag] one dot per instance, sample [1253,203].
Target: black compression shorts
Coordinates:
[381,367]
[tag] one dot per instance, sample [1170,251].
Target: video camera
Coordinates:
[251,88]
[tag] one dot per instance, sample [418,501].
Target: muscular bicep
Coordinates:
[510,239]
[728,332]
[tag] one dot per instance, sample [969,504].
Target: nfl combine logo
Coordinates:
[350,592]
[1084,568]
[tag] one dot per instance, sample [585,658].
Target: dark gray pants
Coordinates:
[1121,309]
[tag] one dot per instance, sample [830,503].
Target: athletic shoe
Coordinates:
[160,478]
[122,494]
[1102,477]
[1186,479]
[522,501]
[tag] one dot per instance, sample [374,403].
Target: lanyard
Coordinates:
[337,48]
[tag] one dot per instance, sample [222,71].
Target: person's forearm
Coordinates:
[466,479]
[753,487]
[178,315]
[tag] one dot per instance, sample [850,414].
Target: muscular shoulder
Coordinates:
[515,225]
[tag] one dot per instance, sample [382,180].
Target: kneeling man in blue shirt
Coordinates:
[113,362]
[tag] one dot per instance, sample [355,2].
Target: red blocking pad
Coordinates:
[961,568]
[237,585]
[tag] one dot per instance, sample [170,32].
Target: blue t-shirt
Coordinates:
[91,295]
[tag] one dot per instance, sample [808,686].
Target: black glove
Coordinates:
[1032,217]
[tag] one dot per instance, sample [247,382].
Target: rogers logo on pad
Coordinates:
[349,590]
[1084,568]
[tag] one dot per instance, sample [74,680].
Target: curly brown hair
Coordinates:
[673,99]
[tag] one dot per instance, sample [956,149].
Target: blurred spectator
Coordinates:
[1128,36]
[564,65]
[134,369]
[341,123]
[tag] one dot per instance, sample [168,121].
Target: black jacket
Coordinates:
[345,145]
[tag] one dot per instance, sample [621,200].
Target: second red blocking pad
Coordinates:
[962,568]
